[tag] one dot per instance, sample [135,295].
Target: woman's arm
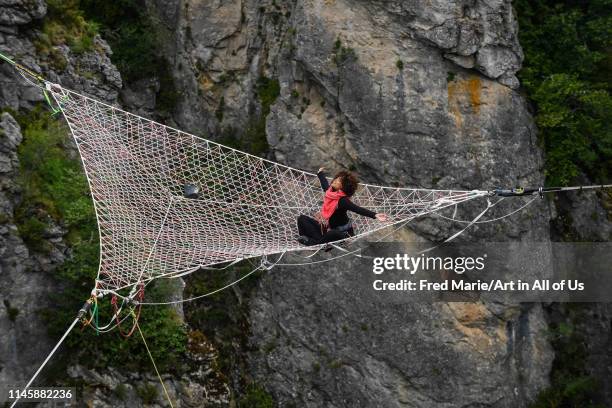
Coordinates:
[323,179]
[345,204]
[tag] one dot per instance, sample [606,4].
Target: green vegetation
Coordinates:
[225,77]
[270,346]
[450,76]
[571,385]
[134,39]
[342,54]
[55,191]
[566,73]
[256,397]
[267,90]
[223,316]
[148,393]
[121,391]
[65,24]
[220,315]
[254,140]
[337,363]
[399,64]
[167,96]
[220,109]
[11,311]
[125,25]
[54,186]
[130,31]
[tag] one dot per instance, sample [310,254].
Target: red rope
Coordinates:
[139,297]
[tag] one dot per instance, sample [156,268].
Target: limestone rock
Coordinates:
[418,94]
[324,341]
[23,288]
[19,12]
[201,386]
[408,94]
[26,280]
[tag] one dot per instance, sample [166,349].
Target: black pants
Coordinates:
[312,229]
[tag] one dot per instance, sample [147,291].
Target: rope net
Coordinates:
[247,206]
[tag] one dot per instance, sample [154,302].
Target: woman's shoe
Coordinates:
[304,240]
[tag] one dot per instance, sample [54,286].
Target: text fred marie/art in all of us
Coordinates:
[459,265]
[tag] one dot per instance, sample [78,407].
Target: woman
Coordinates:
[335,223]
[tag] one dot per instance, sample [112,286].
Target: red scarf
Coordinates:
[330,203]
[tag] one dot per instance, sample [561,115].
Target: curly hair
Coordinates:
[349,182]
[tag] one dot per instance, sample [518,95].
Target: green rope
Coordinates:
[95,314]
[54,110]
[7,59]
[36,76]
[22,68]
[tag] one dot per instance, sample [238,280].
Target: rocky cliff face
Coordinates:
[26,277]
[408,93]
[430,85]
[22,341]
[405,93]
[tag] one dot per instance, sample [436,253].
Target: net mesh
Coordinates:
[247,207]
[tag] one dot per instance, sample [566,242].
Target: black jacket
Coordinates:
[339,217]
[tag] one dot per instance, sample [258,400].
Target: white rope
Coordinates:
[264,265]
[474,221]
[61,340]
[489,220]
[144,267]
[58,91]
[110,328]
[260,266]
[247,207]
[353,252]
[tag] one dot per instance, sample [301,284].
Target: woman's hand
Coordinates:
[321,169]
[381,217]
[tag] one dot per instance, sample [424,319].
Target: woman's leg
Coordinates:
[333,235]
[310,228]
